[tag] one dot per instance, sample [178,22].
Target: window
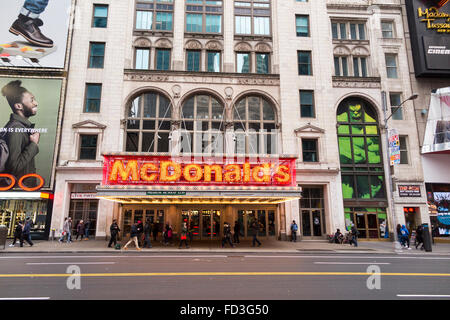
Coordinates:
[302,26]
[213,61]
[302,0]
[391,65]
[100,19]
[193,60]
[360,67]
[243,62]
[88,147]
[93,97]
[162,59]
[340,66]
[348,30]
[96,55]
[304,63]
[403,150]
[202,125]
[307,104]
[360,151]
[309,150]
[252,17]
[387,29]
[255,126]
[148,123]
[395,100]
[154,15]
[142,60]
[262,63]
[204,16]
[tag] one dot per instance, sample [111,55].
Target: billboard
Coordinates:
[28,122]
[437,132]
[34,33]
[429,28]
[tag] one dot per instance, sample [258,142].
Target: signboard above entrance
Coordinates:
[214,171]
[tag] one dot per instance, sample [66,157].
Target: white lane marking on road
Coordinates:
[96,257]
[350,257]
[74,263]
[28,298]
[423,295]
[351,263]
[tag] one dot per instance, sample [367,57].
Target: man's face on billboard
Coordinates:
[29,104]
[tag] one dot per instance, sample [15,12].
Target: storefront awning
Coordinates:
[198,194]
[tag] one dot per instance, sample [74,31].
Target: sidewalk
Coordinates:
[272,246]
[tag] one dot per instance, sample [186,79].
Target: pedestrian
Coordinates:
[354,233]
[17,233]
[155,230]
[166,235]
[80,230]
[227,235]
[254,227]
[237,231]
[405,236]
[183,236]
[419,236]
[338,237]
[190,233]
[133,237]
[294,229]
[140,231]
[114,230]
[87,225]
[399,235]
[147,231]
[170,235]
[26,233]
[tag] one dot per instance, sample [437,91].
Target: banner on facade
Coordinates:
[28,122]
[394,147]
[34,33]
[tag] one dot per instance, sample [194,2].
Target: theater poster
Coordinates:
[45,48]
[28,122]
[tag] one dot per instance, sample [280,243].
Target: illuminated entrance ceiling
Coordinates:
[198,194]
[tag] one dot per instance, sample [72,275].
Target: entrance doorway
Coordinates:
[204,224]
[411,218]
[312,213]
[133,215]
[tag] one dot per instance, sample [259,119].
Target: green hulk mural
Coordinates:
[359,144]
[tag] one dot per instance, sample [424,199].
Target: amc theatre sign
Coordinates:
[157,170]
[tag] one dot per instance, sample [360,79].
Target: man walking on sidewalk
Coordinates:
[294,228]
[254,227]
[114,230]
[26,234]
[133,237]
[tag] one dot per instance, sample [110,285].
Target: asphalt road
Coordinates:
[223,277]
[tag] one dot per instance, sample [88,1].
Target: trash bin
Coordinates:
[3,235]
[426,237]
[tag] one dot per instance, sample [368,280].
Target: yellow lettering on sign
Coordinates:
[217,172]
[164,174]
[118,170]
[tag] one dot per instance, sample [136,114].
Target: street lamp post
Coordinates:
[391,188]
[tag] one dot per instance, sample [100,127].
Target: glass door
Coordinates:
[192,219]
[210,224]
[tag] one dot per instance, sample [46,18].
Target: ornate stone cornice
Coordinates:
[354,82]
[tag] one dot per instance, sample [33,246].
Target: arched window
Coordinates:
[363,183]
[148,123]
[255,126]
[202,125]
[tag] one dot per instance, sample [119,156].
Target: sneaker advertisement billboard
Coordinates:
[28,124]
[33,33]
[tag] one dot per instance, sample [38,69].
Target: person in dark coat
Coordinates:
[80,230]
[183,236]
[140,231]
[87,225]
[133,237]
[26,233]
[155,229]
[17,233]
[114,229]
[147,231]
[354,233]
[399,235]
[254,228]
[227,235]
[419,236]
[237,230]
